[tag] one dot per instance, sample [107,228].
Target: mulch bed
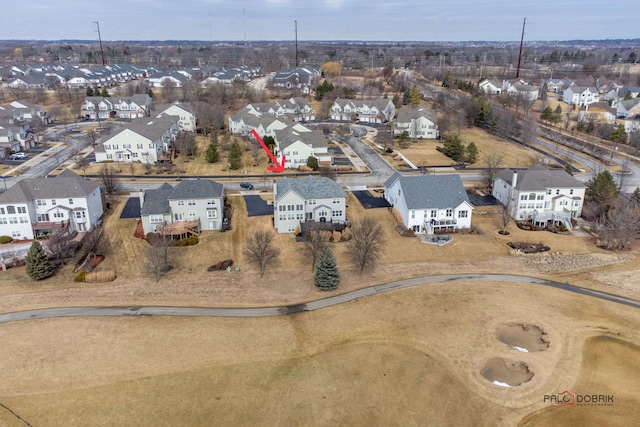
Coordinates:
[529,248]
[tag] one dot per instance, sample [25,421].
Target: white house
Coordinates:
[628,108]
[184,113]
[38,206]
[598,112]
[298,143]
[303,78]
[578,95]
[129,107]
[372,111]
[490,87]
[307,199]
[525,91]
[543,196]
[429,203]
[145,141]
[417,122]
[186,209]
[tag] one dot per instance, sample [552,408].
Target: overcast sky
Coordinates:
[386,20]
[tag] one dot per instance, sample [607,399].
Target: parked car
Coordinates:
[17,156]
[246,185]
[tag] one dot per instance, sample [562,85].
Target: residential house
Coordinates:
[128,107]
[579,95]
[417,122]
[307,199]
[628,108]
[182,111]
[525,91]
[304,78]
[144,140]
[540,195]
[297,143]
[556,85]
[372,111]
[621,93]
[28,81]
[296,109]
[172,78]
[38,206]
[429,203]
[26,111]
[599,112]
[186,209]
[490,87]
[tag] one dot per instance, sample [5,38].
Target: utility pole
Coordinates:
[296,30]
[100,40]
[521,42]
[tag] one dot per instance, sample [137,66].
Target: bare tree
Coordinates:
[60,245]
[81,163]
[260,249]
[619,226]
[314,244]
[328,172]
[109,179]
[256,152]
[157,260]
[365,246]
[492,167]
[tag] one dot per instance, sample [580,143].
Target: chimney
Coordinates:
[514,179]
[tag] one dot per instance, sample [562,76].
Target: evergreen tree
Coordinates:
[105,93]
[37,263]
[602,188]
[327,276]
[472,152]
[453,148]
[415,96]
[211,155]
[312,162]
[89,91]
[235,156]
[150,93]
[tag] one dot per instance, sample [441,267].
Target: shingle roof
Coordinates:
[155,201]
[196,189]
[66,185]
[430,191]
[309,188]
[539,178]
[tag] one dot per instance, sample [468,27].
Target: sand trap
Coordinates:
[505,373]
[524,338]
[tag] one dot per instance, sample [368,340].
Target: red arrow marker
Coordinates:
[279,167]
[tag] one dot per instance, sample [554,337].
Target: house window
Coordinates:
[549,191]
[3,220]
[413,214]
[126,145]
[449,212]
[70,201]
[290,207]
[311,202]
[434,213]
[2,211]
[155,219]
[15,234]
[532,196]
[463,214]
[140,146]
[134,154]
[540,197]
[336,213]
[571,191]
[282,208]
[282,217]
[523,197]
[522,206]
[290,216]
[41,202]
[115,146]
[24,220]
[42,217]
[211,202]
[335,201]
[180,202]
[53,202]
[13,220]
[81,214]
[291,228]
[192,214]
[576,203]
[309,215]
[322,213]
[299,216]
[299,207]
[109,156]
[563,203]
[191,203]
[212,213]
[558,191]
[58,214]
[22,209]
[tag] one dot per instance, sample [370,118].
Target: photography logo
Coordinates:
[568,398]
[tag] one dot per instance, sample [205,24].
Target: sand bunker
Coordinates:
[506,373]
[525,338]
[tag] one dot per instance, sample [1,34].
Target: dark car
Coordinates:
[246,185]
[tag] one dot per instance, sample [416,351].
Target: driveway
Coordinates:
[131,208]
[256,206]
[368,201]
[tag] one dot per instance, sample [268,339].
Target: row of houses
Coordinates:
[16,124]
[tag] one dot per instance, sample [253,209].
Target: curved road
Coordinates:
[56,312]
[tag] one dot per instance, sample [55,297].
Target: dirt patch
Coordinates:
[506,373]
[522,337]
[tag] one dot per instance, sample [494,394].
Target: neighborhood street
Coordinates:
[57,312]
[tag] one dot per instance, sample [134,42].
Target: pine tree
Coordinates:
[211,155]
[37,263]
[472,152]
[312,162]
[235,156]
[89,91]
[327,276]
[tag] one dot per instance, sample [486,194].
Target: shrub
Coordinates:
[193,240]
[5,239]
[408,232]
[100,276]
[80,277]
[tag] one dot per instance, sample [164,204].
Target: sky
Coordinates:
[366,20]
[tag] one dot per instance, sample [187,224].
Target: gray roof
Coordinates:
[309,188]
[406,115]
[288,136]
[430,191]
[539,178]
[65,185]
[156,201]
[196,189]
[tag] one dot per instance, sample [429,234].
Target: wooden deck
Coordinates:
[180,228]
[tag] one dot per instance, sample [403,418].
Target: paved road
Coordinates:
[57,312]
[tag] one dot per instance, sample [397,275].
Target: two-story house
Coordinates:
[144,140]
[371,111]
[129,107]
[579,95]
[307,199]
[417,122]
[628,108]
[490,87]
[184,113]
[540,195]
[186,209]
[39,206]
[297,144]
[429,203]
[303,78]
